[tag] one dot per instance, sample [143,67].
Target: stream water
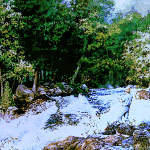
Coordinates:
[70,116]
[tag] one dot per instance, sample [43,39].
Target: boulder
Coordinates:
[23,95]
[143,94]
[141,139]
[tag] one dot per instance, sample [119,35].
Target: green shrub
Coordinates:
[7,98]
[60,85]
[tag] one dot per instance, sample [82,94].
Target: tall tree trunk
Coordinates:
[35,83]
[1,81]
[76,71]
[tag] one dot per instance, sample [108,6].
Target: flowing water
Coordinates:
[66,116]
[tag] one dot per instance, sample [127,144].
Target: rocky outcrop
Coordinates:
[127,137]
[59,89]
[120,128]
[79,143]
[143,94]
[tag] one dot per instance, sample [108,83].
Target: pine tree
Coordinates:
[7,98]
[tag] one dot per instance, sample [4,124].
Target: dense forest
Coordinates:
[73,42]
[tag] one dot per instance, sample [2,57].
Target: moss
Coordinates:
[60,85]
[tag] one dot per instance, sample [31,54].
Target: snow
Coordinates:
[139,110]
[26,130]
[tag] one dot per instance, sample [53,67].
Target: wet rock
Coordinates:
[110,130]
[11,111]
[58,119]
[114,140]
[61,89]
[125,129]
[121,128]
[90,143]
[9,114]
[141,139]
[128,142]
[54,120]
[51,91]
[144,126]
[37,107]
[72,119]
[76,143]
[143,94]
[58,91]
[109,86]
[55,90]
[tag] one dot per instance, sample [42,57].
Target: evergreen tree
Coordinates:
[7,98]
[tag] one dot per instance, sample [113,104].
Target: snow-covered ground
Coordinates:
[92,114]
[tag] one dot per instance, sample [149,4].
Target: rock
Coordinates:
[110,130]
[121,128]
[141,139]
[11,110]
[84,87]
[66,88]
[24,91]
[58,91]
[72,119]
[42,90]
[58,119]
[125,129]
[38,107]
[109,86]
[55,90]
[10,113]
[128,90]
[76,143]
[143,94]
[54,120]
[90,143]
[113,140]
[51,91]
[23,95]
